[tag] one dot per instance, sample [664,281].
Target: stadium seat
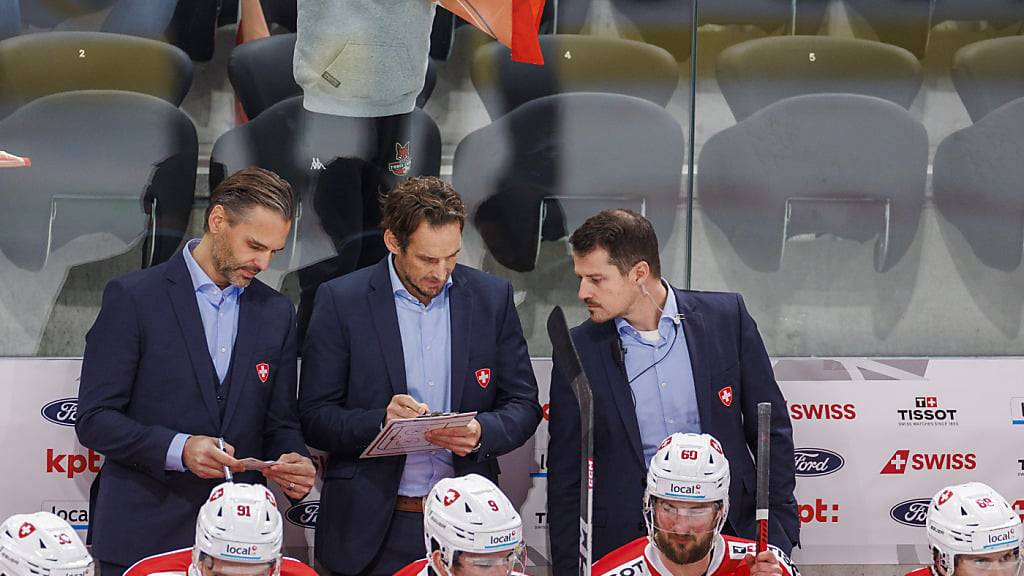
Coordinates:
[36,65]
[540,170]
[999,13]
[756,73]
[109,162]
[574,63]
[989,74]
[848,165]
[261,74]
[768,15]
[977,185]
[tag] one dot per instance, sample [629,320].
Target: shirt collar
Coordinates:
[668,314]
[200,279]
[399,289]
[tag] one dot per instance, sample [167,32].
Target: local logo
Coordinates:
[926,412]
[250,551]
[72,464]
[686,490]
[74,512]
[725,395]
[504,538]
[62,412]
[451,496]
[901,459]
[25,530]
[483,377]
[263,371]
[817,462]
[304,515]
[818,511]
[822,411]
[403,160]
[911,512]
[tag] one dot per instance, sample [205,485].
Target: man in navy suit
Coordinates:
[413,334]
[186,355]
[660,361]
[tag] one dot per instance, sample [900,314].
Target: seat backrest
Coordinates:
[998,12]
[36,65]
[101,154]
[977,178]
[903,23]
[574,63]
[582,145]
[768,15]
[757,73]
[989,74]
[821,146]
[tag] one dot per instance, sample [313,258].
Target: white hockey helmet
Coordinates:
[970,519]
[470,514]
[240,523]
[688,468]
[42,544]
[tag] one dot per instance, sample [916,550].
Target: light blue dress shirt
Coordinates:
[427,346]
[219,311]
[664,396]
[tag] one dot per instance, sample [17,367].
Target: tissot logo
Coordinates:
[817,462]
[304,514]
[911,512]
[822,411]
[927,412]
[62,412]
[903,459]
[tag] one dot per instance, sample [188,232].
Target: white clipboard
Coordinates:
[407,435]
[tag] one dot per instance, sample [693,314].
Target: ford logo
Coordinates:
[911,512]
[817,462]
[304,514]
[63,411]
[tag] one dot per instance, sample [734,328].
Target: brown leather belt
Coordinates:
[409,504]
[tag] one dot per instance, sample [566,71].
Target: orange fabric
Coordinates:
[514,23]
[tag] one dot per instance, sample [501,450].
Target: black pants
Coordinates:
[403,545]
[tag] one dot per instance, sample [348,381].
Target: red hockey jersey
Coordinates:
[641,558]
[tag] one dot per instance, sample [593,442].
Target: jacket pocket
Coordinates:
[371,70]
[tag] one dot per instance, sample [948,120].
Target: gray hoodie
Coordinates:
[363,58]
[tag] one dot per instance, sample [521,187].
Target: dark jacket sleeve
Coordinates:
[759,385]
[327,424]
[563,498]
[516,412]
[112,350]
[281,430]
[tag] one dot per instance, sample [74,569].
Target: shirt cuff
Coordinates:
[174,451]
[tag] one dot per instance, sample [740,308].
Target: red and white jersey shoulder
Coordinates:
[640,558]
[179,563]
[419,568]
[922,571]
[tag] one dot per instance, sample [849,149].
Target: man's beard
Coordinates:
[692,548]
[224,263]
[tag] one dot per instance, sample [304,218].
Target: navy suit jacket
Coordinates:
[725,351]
[147,375]
[352,365]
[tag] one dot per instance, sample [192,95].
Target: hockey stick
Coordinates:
[565,351]
[764,429]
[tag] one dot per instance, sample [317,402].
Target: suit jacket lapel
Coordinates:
[385,320]
[693,329]
[460,310]
[619,387]
[183,299]
[243,366]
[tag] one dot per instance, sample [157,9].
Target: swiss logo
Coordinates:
[263,371]
[725,395]
[25,530]
[483,377]
[451,496]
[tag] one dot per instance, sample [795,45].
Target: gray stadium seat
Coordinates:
[848,165]
[757,73]
[36,65]
[540,170]
[574,63]
[977,185]
[989,74]
[261,74]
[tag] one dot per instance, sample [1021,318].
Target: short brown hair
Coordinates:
[423,198]
[250,187]
[628,237]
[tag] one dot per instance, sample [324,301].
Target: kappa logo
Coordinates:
[725,395]
[26,530]
[263,371]
[483,377]
[451,496]
[317,164]
[403,160]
